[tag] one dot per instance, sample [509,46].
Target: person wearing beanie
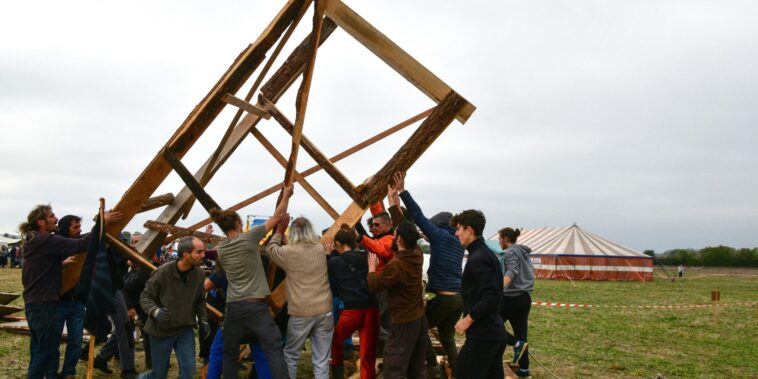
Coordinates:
[444,309]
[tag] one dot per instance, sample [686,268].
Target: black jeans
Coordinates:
[405,349]
[245,319]
[515,309]
[443,312]
[480,359]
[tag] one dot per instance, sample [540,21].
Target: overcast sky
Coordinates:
[634,119]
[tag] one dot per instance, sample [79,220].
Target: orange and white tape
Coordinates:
[571,305]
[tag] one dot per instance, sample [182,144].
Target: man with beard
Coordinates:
[44,253]
[173,296]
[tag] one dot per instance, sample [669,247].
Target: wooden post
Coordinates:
[91,357]
[715,298]
[177,232]
[196,188]
[157,202]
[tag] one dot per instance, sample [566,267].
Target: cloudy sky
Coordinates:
[631,119]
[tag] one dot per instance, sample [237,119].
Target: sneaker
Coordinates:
[518,350]
[102,365]
[523,373]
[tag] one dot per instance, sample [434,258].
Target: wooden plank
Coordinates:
[91,358]
[419,141]
[245,106]
[317,167]
[7,297]
[203,197]
[274,88]
[350,216]
[202,116]
[301,103]
[312,150]
[393,55]
[6,310]
[177,232]
[157,202]
[300,179]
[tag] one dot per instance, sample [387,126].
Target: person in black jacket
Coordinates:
[482,354]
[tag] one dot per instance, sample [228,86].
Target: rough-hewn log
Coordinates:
[274,88]
[202,116]
[178,232]
[137,258]
[317,168]
[312,150]
[203,197]
[420,140]
[157,202]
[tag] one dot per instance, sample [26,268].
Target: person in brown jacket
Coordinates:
[405,349]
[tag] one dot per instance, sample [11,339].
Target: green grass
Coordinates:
[589,343]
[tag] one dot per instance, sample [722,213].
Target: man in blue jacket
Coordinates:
[444,309]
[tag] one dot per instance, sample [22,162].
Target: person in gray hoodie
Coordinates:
[518,283]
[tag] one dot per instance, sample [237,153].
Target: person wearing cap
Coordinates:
[445,261]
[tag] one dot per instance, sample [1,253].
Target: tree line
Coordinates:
[719,256]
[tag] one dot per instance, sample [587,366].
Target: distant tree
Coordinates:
[717,256]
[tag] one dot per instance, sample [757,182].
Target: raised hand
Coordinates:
[399,178]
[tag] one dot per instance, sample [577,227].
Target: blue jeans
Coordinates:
[216,355]
[45,337]
[70,313]
[183,345]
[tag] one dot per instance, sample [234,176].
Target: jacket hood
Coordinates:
[411,256]
[521,249]
[441,219]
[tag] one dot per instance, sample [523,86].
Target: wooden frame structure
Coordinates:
[328,15]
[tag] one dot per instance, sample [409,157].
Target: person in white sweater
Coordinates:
[309,298]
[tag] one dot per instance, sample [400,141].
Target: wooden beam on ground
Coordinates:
[312,150]
[197,190]
[245,106]
[368,142]
[393,55]
[274,88]
[177,232]
[137,258]
[202,116]
[301,103]
[300,179]
[420,140]
[157,202]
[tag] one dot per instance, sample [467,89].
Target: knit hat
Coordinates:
[442,218]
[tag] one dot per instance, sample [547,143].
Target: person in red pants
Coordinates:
[348,268]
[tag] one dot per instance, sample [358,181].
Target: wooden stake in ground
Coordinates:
[715,298]
[91,357]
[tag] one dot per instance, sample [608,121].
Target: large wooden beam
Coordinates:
[299,177]
[137,258]
[274,88]
[420,140]
[197,189]
[312,150]
[202,116]
[177,232]
[157,202]
[393,55]
[368,142]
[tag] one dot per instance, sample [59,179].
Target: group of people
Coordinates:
[369,282]
[9,256]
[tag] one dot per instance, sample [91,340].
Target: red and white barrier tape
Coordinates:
[570,305]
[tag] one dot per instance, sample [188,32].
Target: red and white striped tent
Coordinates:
[573,253]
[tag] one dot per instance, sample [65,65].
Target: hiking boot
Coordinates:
[102,365]
[129,373]
[523,373]
[518,350]
[338,372]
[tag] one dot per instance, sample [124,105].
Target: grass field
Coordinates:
[603,342]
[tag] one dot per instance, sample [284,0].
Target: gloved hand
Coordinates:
[162,315]
[361,230]
[204,329]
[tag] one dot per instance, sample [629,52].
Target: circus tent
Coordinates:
[576,254]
